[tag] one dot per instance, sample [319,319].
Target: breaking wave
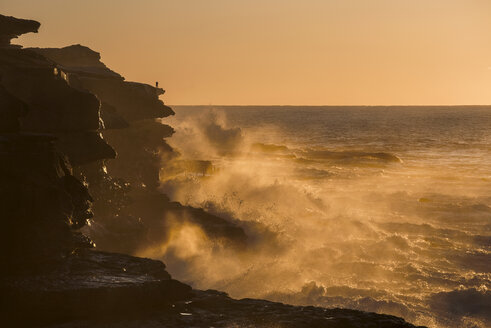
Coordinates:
[342,208]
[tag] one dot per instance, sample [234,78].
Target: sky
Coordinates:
[282,52]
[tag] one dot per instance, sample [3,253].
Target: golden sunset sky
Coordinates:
[265,52]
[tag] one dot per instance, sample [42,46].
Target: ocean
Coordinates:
[383,209]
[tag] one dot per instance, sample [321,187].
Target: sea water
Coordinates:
[383,209]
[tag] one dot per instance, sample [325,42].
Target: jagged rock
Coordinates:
[53,106]
[40,201]
[89,284]
[215,309]
[141,149]
[80,60]
[99,289]
[85,147]
[133,101]
[215,227]
[49,276]
[126,217]
[114,228]
[11,109]
[111,118]
[11,28]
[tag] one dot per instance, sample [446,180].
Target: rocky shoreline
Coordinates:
[81,151]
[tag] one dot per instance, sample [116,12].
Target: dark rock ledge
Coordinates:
[89,284]
[11,28]
[98,289]
[64,116]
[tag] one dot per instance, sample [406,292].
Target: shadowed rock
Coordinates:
[41,202]
[50,277]
[48,104]
[111,118]
[54,106]
[132,100]
[11,28]
[80,60]
[128,212]
[11,109]
[90,284]
[85,147]
[141,149]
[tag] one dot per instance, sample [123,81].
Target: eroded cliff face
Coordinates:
[121,187]
[64,116]
[130,212]
[42,203]
[50,133]
[11,28]
[54,106]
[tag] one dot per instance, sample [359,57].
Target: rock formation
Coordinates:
[77,141]
[48,127]
[129,207]
[42,203]
[11,28]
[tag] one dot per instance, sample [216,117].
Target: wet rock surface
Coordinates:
[88,284]
[215,309]
[98,289]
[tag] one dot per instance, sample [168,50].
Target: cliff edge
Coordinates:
[80,154]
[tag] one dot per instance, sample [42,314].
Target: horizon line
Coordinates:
[216,105]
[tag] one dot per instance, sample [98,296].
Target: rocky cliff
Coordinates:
[129,208]
[80,151]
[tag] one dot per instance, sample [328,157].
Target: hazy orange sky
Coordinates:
[303,52]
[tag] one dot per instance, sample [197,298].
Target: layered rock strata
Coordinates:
[129,208]
[50,273]
[42,203]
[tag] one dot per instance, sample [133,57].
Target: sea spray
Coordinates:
[382,210]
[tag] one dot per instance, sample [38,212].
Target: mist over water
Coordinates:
[379,209]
